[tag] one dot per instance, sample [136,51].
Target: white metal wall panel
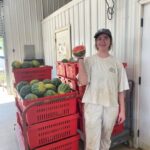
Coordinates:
[87,19]
[120,29]
[57,22]
[86,16]
[101,13]
[94,22]
[22,26]
[76,24]
[71,18]
[1,19]
[81,23]
[67,16]
[63,19]
[130,37]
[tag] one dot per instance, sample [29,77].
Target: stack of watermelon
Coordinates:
[26,64]
[35,88]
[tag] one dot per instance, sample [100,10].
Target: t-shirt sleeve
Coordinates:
[123,81]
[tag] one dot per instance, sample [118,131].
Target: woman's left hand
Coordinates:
[121,117]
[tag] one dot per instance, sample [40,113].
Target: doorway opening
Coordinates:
[2,65]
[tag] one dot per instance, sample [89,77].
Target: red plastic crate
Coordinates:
[62,79]
[118,129]
[51,131]
[81,90]
[80,124]
[71,70]
[72,83]
[80,107]
[19,121]
[28,74]
[65,104]
[71,143]
[61,68]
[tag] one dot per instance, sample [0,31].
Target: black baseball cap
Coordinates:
[103,31]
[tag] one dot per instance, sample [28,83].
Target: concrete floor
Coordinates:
[119,147]
[8,119]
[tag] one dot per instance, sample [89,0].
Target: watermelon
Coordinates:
[72,59]
[30,96]
[38,89]
[26,89]
[64,60]
[26,64]
[35,63]
[56,81]
[21,84]
[50,86]
[79,51]
[34,81]
[16,64]
[45,81]
[49,92]
[63,88]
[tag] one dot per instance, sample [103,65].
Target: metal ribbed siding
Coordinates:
[1,19]
[85,17]
[49,6]
[22,26]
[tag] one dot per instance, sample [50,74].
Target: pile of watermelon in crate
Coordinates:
[47,115]
[67,71]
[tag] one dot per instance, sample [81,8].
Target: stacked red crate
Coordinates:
[44,123]
[67,72]
[47,120]
[70,143]
[28,74]
[61,69]
[52,107]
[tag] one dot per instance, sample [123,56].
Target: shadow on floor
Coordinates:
[119,147]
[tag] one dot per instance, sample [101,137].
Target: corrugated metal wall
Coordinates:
[1,19]
[85,17]
[49,6]
[22,26]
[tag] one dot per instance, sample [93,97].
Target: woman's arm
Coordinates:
[82,76]
[121,117]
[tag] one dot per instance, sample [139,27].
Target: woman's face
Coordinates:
[103,42]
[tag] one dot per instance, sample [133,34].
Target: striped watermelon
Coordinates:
[79,51]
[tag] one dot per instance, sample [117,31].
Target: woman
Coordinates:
[105,79]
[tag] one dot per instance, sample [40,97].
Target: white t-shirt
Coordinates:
[106,77]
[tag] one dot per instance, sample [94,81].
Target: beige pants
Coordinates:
[99,123]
